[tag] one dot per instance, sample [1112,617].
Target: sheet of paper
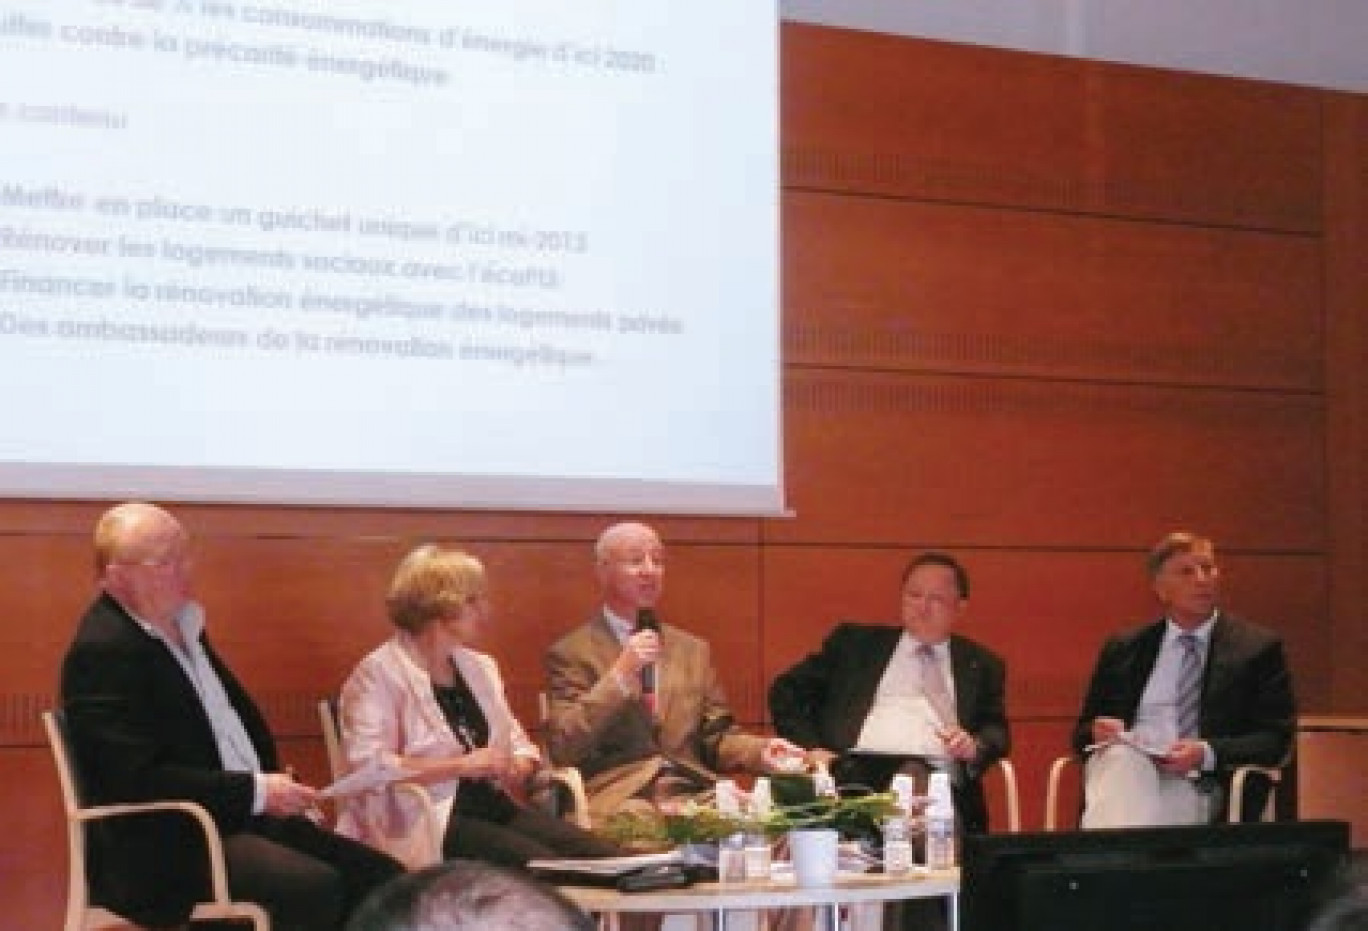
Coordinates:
[1130,739]
[371,776]
[606,866]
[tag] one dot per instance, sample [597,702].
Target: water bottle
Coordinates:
[759,807]
[757,856]
[823,785]
[761,799]
[940,824]
[897,847]
[728,798]
[903,788]
[731,858]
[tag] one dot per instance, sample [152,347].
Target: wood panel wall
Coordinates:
[1037,311]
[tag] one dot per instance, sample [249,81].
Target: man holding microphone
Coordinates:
[636,705]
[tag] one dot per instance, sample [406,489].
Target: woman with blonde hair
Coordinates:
[428,703]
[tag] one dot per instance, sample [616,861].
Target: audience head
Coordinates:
[935,592]
[1345,909]
[467,895]
[631,567]
[142,559]
[434,584]
[1184,575]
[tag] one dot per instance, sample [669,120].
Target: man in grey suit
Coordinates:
[1174,706]
[637,705]
[916,696]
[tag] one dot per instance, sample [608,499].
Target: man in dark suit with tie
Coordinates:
[155,714]
[1174,706]
[916,694]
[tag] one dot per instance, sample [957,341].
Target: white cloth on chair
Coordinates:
[1123,788]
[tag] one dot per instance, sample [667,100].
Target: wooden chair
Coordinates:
[568,778]
[81,915]
[1011,796]
[337,768]
[1060,768]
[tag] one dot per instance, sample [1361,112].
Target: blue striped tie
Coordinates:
[1188,693]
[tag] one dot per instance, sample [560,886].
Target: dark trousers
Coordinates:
[307,877]
[526,835]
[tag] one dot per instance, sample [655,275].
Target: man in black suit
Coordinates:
[155,714]
[1174,706]
[915,695]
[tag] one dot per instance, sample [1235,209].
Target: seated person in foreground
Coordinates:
[1174,706]
[427,702]
[465,895]
[640,742]
[917,697]
[155,714]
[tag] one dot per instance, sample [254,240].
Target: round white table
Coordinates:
[719,899]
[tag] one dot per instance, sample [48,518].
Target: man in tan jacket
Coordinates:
[637,705]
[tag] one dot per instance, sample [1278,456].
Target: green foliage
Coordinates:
[852,816]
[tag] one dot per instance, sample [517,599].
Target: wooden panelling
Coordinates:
[1045,612]
[76,518]
[887,284]
[33,845]
[1332,781]
[905,117]
[1346,310]
[294,615]
[936,121]
[1030,463]
[1166,145]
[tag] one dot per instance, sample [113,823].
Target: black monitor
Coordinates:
[1226,877]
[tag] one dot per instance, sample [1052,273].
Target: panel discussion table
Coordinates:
[720,899]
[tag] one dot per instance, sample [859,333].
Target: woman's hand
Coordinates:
[487,763]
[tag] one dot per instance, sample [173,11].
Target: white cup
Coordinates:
[814,856]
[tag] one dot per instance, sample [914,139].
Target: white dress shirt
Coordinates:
[901,720]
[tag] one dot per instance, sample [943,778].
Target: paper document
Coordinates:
[606,866]
[373,775]
[1129,739]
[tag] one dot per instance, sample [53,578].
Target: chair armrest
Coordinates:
[1056,776]
[420,794]
[1237,785]
[218,872]
[1013,797]
[569,780]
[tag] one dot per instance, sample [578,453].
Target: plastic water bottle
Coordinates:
[731,858]
[728,797]
[757,856]
[761,799]
[897,847]
[758,807]
[823,785]
[940,824]
[903,789]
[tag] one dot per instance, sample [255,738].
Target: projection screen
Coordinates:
[402,254]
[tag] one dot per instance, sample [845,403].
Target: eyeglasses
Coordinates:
[159,564]
[637,561]
[931,599]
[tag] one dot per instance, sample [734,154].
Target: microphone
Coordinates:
[646,620]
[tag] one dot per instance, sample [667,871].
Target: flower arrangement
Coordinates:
[796,805]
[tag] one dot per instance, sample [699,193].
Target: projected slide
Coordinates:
[391,253]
